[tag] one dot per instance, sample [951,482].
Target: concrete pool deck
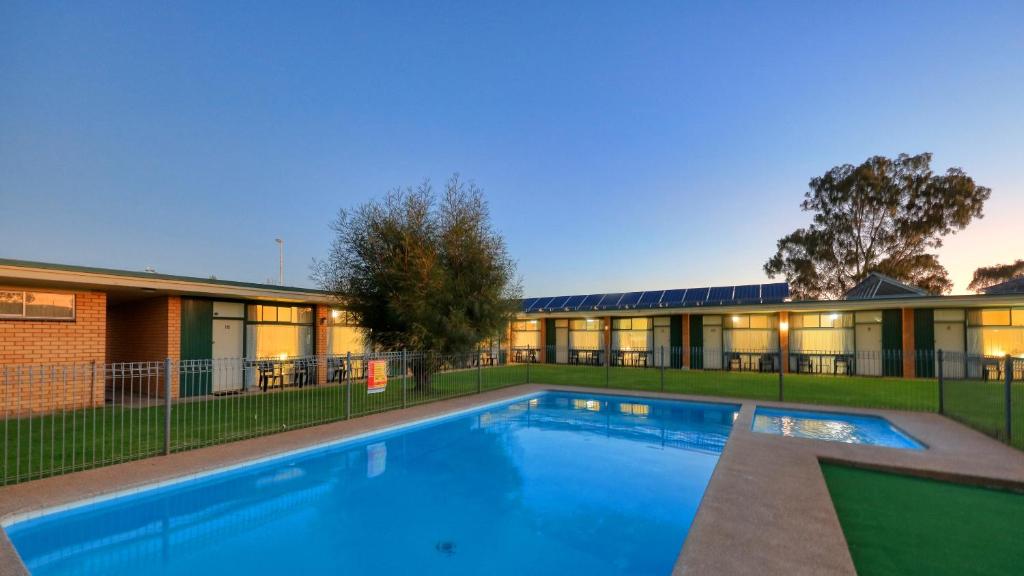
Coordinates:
[766,510]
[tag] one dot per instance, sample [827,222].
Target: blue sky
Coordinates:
[622,145]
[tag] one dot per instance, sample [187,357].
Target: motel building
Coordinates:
[95,329]
[881,328]
[116,328]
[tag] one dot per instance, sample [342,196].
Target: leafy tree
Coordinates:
[884,215]
[422,273]
[991,275]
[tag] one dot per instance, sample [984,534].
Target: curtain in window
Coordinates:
[279,341]
[824,340]
[751,341]
[526,340]
[996,341]
[586,340]
[342,340]
[632,340]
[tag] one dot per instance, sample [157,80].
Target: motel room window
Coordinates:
[821,332]
[526,334]
[751,333]
[281,332]
[632,334]
[344,336]
[586,334]
[996,332]
[33,305]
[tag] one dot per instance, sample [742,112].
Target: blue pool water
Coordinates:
[832,426]
[554,484]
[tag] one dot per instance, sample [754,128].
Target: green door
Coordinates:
[550,341]
[196,347]
[676,341]
[892,343]
[696,341]
[924,342]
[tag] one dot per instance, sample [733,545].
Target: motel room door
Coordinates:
[662,341]
[868,344]
[562,345]
[712,346]
[227,355]
[949,337]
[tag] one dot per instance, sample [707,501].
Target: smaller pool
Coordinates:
[833,427]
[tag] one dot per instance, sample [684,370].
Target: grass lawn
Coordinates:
[79,439]
[899,525]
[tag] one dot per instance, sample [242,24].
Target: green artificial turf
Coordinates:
[903,526]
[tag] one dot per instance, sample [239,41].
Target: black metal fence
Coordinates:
[62,418]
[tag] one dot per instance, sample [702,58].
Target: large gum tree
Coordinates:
[887,215]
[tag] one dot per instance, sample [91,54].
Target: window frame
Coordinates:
[24,316]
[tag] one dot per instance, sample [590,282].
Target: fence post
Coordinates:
[942,391]
[348,385]
[1008,378]
[782,395]
[167,406]
[528,366]
[405,374]
[662,368]
[478,372]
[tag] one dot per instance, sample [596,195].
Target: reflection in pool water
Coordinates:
[559,483]
[833,427]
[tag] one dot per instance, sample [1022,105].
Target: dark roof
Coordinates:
[1013,286]
[677,298]
[152,275]
[877,285]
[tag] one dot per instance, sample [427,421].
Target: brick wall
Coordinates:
[68,348]
[143,331]
[322,325]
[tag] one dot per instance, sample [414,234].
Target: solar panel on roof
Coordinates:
[574,302]
[673,298]
[610,301]
[630,299]
[591,301]
[747,293]
[542,303]
[777,291]
[720,294]
[695,295]
[557,303]
[528,303]
[650,299]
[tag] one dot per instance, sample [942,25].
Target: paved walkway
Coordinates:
[766,511]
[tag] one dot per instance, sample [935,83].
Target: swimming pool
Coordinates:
[554,483]
[833,427]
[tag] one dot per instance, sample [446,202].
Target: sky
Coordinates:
[621,145]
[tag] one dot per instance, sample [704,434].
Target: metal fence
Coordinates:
[68,417]
[63,418]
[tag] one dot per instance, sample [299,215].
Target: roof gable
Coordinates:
[877,285]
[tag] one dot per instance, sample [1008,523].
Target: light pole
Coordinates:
[280,261]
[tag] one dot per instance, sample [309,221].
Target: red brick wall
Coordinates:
[145,331]
[323,314]
[67,348]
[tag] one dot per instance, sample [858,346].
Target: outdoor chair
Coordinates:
[766,363]
[269,372]
[842,365]
[301,375]
[733,362]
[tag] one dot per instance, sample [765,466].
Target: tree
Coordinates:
[422,273]
[991,275]
[884,215]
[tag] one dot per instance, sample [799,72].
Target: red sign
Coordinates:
[377,376]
